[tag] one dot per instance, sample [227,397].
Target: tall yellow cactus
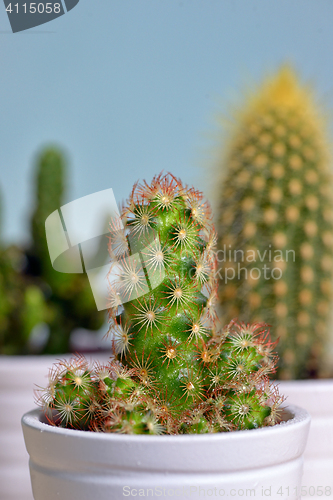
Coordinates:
[275,222]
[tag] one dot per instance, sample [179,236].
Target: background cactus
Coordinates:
[69,297]
[166,266]
[31,292]
[22,304]
[275,223]
[50,191]
[176,370]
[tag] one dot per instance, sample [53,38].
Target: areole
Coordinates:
[82,465]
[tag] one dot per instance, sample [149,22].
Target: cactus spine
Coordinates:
[275,223]
[176,370]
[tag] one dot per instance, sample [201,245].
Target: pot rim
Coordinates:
[294,415]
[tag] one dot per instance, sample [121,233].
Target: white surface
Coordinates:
[75,465]
[316,396]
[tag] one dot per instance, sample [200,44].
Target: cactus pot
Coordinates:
[317,397]
[18,376]
[79,465]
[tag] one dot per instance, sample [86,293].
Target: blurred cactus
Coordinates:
[50,181]
[32,293]
[171,234]
[275,223]
[176,369]
[22,304]
[15,290]
[69,296]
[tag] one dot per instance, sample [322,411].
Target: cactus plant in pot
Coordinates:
[185,407]
[275,242]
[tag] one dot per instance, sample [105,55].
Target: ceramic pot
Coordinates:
[78,465]
[18,376]
[316,396]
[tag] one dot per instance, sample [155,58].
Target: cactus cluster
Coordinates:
[31,293]
[275,223]
[175,370]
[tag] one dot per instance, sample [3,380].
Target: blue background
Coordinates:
[131,87]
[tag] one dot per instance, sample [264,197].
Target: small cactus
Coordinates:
[176,370]
[275,223]
[165,269]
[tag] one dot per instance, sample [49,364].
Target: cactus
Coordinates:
[71,302]
[22,304]
[275,223]
[31,292]
[5,303]
[176,370]
[50,175]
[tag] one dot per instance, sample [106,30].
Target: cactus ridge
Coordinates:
[276,214]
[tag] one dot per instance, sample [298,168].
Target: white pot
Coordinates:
[316,396]
[19,375]
[68,464]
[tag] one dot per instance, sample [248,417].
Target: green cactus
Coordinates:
[70,299]
[33,311]
[166,266]
[1,217]
[31,291]
[23,288]
[175,369]
[275,223]
[22,304]
[50,181]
